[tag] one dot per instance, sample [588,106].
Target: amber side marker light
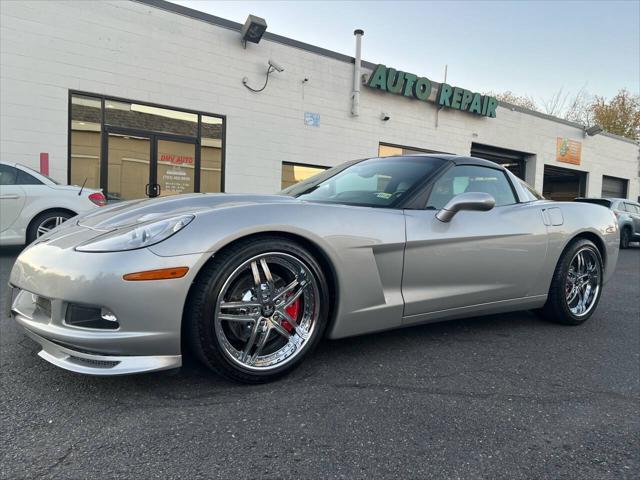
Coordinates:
[161,274]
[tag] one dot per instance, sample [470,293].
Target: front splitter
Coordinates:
[103,365]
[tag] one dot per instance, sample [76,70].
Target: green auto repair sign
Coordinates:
[410,85]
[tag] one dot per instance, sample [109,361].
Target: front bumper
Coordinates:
[91,364]
[149,313]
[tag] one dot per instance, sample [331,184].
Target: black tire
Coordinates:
[625,237]
[202,303]
[43,219]
[556,308]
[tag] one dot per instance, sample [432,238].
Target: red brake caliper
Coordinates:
[293,311]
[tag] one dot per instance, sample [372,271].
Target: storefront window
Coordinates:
[388,150]
[149,150]
[211,155]
[85,141]
[154,119]
[293,173]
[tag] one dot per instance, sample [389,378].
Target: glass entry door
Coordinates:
[141,166]
[128,166]
[175,167]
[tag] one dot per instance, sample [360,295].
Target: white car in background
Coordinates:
[31,204]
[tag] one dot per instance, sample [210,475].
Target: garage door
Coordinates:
[614,187]
[510,159]
[563,184]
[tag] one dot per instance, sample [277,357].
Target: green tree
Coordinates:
[620,115]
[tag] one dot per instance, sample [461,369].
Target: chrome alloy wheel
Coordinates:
[267,311]
[49,224]
[583,282]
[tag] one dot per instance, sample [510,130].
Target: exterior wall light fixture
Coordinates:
[252,30]
[594,130]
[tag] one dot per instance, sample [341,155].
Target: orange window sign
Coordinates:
[568,151]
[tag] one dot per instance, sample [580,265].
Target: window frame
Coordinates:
[104,131]
[427,191]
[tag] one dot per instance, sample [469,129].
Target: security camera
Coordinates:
[273,64]
[385,117]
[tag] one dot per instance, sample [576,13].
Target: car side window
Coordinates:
[531,195]
[8,175]
[24,178]
[471,178]
[631,208]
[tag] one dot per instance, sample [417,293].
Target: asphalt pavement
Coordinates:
[505,396]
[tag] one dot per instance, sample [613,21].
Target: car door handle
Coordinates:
[9,197]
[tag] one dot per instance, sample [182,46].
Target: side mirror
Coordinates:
[477,201]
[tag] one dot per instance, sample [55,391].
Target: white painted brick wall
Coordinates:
[129,50]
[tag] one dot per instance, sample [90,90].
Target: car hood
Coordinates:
[136,211]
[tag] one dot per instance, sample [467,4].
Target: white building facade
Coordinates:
[147,97]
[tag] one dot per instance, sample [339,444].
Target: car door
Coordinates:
[12,198]
[477,257]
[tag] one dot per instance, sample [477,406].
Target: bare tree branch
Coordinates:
[524,101]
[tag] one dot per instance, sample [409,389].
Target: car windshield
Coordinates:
[377,182]
[597,201]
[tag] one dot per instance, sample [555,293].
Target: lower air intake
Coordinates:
[93,363]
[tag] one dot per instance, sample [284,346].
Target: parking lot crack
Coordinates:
[56,463]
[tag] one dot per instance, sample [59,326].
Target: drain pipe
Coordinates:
[355,95]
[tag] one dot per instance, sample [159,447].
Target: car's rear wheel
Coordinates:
[257,309]
[45,222]
[576,286]
[625,237]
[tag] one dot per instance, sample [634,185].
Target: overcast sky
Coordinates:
[528,47]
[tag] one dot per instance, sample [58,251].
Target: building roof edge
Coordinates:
[231,25]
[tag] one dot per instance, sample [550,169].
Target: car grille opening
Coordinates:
[90,317]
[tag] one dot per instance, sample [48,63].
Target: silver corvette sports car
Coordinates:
[251,283]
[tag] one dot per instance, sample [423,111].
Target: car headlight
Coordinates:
[136,236]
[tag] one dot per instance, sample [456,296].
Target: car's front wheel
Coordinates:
[257,309]
[576,285]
